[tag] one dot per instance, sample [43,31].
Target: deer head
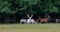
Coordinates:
[29,16]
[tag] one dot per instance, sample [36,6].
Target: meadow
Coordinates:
[30,27]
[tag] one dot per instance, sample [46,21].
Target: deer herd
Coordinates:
[29,20]
[33,21]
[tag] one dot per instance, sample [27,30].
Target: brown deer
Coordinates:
[44,19]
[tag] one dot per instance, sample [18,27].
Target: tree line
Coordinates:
[20,8]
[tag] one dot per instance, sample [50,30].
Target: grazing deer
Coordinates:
[23,21]
[30,20]
[57,20]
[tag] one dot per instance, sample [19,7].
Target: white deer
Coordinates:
[30,20]
[23,20]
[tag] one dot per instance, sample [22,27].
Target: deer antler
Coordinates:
[31,16]
[27,15]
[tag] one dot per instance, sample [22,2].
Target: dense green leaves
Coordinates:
[29,6]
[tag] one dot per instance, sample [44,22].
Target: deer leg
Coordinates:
[46,21]
[20,22]
[41,21]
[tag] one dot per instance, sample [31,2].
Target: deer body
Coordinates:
[44,20]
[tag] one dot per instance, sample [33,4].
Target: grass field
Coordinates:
[29,27]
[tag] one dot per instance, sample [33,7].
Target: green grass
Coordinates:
[30,28]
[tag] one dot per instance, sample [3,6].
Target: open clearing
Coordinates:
[30,27]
